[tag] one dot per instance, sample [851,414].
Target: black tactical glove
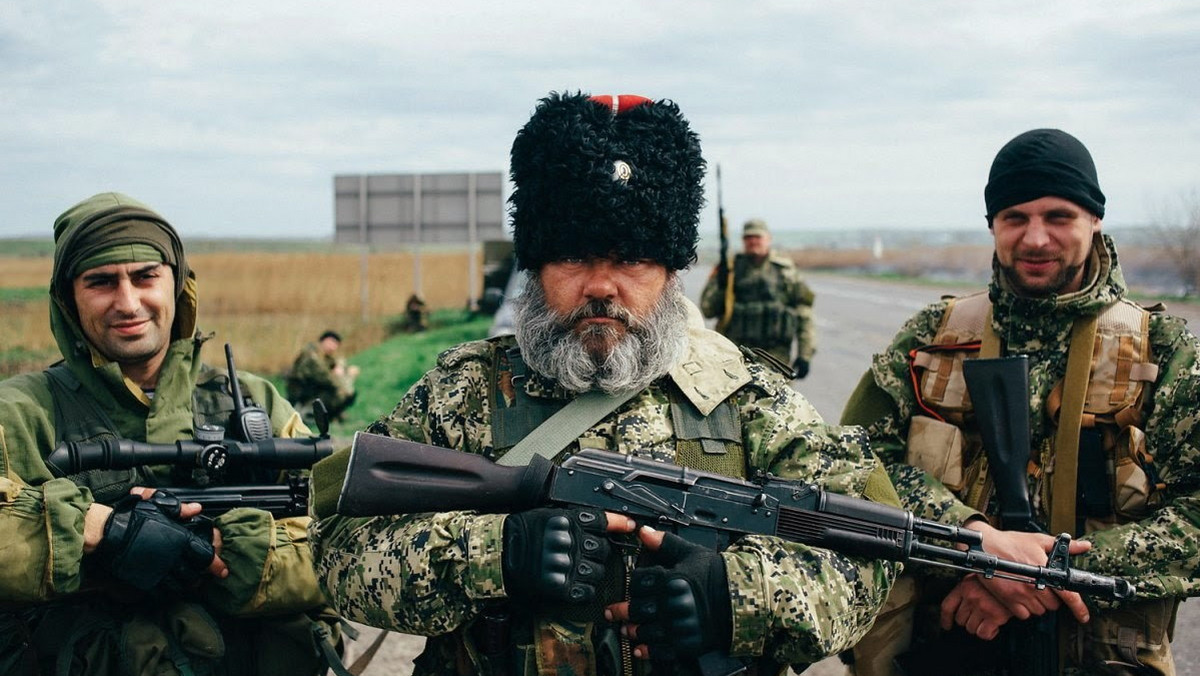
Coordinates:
[682,608]
[799,368]
[553,554]
[146,543]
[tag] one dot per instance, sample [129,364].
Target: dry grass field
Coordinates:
[267,305]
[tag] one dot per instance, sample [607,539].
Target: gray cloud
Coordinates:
[232,117]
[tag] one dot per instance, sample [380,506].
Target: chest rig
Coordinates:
[762,316]
[711,443]
[79,417]
[581,637]
[1115,474]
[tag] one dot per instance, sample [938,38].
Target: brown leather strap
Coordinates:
[1066,439]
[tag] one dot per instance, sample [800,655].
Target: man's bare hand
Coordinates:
[1024,600]
[974,608]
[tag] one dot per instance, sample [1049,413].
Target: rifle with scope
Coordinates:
[216,454]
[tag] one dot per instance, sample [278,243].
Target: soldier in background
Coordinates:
[772,305]
[416,315]
[319,372]
[605,211]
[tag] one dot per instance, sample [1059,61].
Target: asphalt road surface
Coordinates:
[855,317]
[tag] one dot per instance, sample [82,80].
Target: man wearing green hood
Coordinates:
[1114,451]
[94,580]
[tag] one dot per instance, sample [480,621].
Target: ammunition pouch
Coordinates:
[1134,639]
[936,447]
[762,323]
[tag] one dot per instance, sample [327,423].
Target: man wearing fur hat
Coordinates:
[1057,295]
[605,211]
[772,304]
[102,575]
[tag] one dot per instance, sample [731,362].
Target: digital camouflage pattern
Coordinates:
[772,306]
[1159,554]
[434,574]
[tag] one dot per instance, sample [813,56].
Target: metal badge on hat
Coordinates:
[622,171]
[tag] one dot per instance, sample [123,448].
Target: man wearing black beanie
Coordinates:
[1115,441]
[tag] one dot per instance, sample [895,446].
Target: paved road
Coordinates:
[855,317]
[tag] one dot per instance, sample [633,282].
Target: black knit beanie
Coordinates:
[1041,163]
[606,176]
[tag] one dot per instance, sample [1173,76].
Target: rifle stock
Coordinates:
[999,390]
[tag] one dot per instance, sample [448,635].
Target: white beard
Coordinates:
[650,347]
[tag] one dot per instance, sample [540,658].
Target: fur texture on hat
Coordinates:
[595,180]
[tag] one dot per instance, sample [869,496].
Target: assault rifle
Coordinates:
[387,476]
[217,456]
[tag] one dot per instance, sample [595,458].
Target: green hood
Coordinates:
[107,220]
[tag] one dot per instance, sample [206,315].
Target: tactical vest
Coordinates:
[944,441]
[761,317]
[711,443]
[1122,378]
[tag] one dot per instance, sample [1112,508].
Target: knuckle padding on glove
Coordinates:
[553,553]
[682,608]
[143,544]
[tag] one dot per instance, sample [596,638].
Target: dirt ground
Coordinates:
[396,654]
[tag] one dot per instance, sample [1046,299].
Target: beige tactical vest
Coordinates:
[945,442]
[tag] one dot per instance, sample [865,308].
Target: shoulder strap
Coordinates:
[1066,439]
[77,417]
[565,426]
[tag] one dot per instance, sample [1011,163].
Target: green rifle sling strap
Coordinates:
[1066,439]
[565,426]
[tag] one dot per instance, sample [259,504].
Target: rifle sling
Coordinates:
[1066,439]
[565,426]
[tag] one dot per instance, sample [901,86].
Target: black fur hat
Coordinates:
[603,176]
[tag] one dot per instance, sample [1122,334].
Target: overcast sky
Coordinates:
[231,118]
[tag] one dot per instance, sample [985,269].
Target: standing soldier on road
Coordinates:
[1057,295]
[97,576]
[772,305]
[605,210]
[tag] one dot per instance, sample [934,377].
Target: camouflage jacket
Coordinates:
[1161,553]
[434,574]
[772,304]
[312,377]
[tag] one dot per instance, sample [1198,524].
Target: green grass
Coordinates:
[27,246]
[16,360]
[388,369]
[23,294]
